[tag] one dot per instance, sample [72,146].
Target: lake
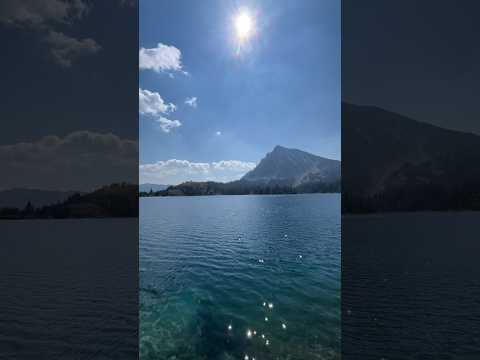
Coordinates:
[226,277]
[411,286]
[69,289]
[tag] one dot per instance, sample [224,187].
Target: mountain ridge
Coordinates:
[19,197]
[114,200]
[295,166]
[281,171]
[420,166]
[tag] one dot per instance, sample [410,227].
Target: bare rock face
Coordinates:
[294,167]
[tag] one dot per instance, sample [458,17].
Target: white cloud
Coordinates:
[162,58]
[233,165]
[151,103]
[81,160]
[218,133]
[172,172]
[65,49]
[167,125]
[192,101]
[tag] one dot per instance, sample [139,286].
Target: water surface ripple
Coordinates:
[68,289]
[411,286]
[214,269]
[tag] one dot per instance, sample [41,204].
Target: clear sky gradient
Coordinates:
[205,101]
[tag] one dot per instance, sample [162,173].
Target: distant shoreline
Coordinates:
[110,201]
[15,219]
[380,213]
[207,195]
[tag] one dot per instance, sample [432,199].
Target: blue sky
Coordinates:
[211,111]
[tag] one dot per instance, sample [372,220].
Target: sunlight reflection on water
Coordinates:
[211,301]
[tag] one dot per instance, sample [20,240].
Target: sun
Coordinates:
[244,25]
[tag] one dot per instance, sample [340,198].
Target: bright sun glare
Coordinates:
[243,25]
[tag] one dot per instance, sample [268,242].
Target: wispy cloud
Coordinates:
[43,16]
[175,171]
[65,49]
[163,58]
[41,13]
[152,104]
[192,101]
[166,124]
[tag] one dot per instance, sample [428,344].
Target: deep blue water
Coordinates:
[68,289]
[207,263]
[411,286]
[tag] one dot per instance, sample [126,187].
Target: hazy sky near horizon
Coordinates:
[211,105]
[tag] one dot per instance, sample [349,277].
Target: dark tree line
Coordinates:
[243,188]
[416,198]
[115,200]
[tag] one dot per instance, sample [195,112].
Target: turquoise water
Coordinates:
[226,277]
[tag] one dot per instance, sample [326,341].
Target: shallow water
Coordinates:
[207,263]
